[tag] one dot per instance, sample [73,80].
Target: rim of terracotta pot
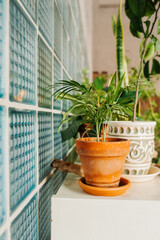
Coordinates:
[113,147]
[94,140]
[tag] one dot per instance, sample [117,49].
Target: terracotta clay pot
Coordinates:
[102,162]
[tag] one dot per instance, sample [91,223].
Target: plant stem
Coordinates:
[141,64]
[104,132]
[97,130]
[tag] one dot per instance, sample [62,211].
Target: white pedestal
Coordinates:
[134,215]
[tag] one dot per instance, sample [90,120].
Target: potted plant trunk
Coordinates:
[140,133]
[102,158]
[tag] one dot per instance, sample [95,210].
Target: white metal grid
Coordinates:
[7,104]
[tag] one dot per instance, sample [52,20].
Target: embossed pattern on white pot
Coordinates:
[141,136]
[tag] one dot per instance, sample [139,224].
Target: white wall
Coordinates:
[104,52]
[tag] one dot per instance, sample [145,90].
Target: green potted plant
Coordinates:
[140,133]
[102,158]
[78,123]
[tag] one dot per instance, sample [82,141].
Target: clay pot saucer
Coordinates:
[102,191]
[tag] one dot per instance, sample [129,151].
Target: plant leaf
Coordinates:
[141,45]
[138,7]
[133,30]
[150,8]
[118,88]
[98,83]
[126,79]
[136,21]
[120,44]
[149,51]
[114,25]
[68,97]
[101,93]
[155,67]
[147,27]
[127,96]
[70,132]
[70,110]
[157,45]
[112,84]
[146,70]
[158,26]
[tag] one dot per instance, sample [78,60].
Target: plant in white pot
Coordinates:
[141,134]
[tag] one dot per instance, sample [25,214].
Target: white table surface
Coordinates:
[135,215]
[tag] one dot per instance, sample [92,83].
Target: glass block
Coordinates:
[70,68]
[57,78]
[45,143]
[73,59]
[25,225]
[58,178]
[57,136]
[72,33]
[44,75]
[74,39]
[2,46]
[65,102]
[66,14]
[79,73]
[3,236]
[74,7]
[45,19]
[45,195]
[65,49]
[70,22]
[57,32]
[22,56]
[31,6]
[77,14]
[2,168]
[22,155]
[65,145]
[60,5]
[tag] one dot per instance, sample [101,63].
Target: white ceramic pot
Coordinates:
[141,136]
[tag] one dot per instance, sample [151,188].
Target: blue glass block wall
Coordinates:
[31,7]
[2,168]
[45,194]
[45,19]
[44,75]
[3,236]
[45,143]
[65,145]
[22,56]
[57,136]
[2,46]
[40,44]
[57,77]
[25,225]
[22,155]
